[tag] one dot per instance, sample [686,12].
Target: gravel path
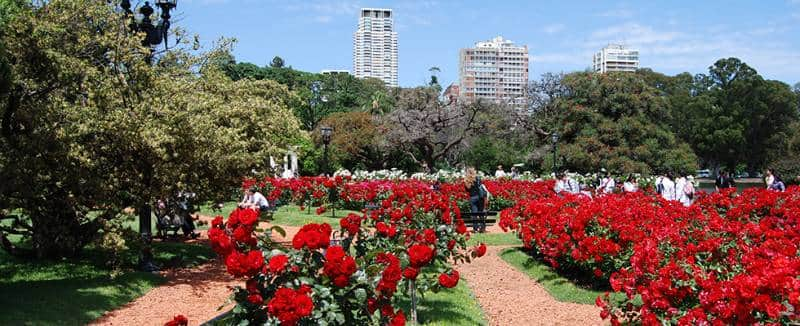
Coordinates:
[509,297]
[194,292]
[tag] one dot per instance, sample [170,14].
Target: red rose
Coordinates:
[451,244]
[217,222]
[461,228]
[338,266]
[243,234]
[419,255]
[399,319]
[312,236]
[255,299]
[289,306]
[320,210]
[179,320]
[449,281]
[351,223]
[391,274]
[480,250]
[220,242]
[277,264]
[410,273]
[244,265]
[385,230]
[429,235]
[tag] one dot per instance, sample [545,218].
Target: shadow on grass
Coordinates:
[69,301]
[456,306]
[564,284]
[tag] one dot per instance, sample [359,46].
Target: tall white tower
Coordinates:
[375,46]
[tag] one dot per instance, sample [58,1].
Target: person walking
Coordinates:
[477,199]
[685,190]
[668,189]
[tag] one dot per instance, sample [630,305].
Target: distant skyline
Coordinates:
[672,36]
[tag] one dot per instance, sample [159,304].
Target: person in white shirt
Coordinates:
[686,190]
[769,177]
[566,184]
[630,185]
[254,199]
[607,184]
[499,173]
[668,186]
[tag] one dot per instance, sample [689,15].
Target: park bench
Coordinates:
[471,217]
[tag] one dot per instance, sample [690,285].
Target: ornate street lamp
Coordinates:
[555,143]
[154,35]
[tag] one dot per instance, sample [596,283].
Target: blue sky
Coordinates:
[672,36]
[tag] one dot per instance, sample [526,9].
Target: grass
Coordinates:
[292,216]
[35,292]
[456,306]
[494,239]
[561,288]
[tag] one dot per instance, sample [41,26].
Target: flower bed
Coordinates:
[728,259]
[411,243]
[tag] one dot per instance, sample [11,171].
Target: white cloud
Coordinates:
[632,33]
[617,13]
[553,28]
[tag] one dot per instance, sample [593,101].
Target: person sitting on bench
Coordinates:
[254,199]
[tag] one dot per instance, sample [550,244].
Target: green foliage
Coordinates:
[616,121]
[91,126]
[456,306]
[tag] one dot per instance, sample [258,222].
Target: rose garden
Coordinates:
[126,147]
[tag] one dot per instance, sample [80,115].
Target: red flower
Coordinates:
[220,242]
[385,230]
[419,255]
[217,222]
[277,264]
[449,281]
[289,306]
[240,265]
[338,266]
[391,274]
[410,273]
[255,299]
[312,236]
[399,319]
[451,244]
[179,320]
[480,250]
[351,223]
[321,210]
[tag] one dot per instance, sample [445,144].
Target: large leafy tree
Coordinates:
[618,122]
[88,126]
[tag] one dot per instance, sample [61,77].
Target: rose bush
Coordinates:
[728,259]
[412,241]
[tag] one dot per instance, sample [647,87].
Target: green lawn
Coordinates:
[494,239]
[292,216]
[456,306]
[561,288]
[77,291]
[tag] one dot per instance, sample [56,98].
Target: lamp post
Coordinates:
[327,132]
[154,35]
[555,144]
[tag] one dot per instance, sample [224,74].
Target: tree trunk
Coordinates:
[61,234]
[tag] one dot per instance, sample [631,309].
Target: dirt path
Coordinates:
[194,292]
[509,297]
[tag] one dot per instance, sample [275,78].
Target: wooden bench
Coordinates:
[470,217]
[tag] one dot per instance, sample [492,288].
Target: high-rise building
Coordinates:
[496,70]
[616,57]
[375,46]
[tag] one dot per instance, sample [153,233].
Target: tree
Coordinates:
[277,62]
[434,77]
[618,122]
[426,129]
[88,126]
